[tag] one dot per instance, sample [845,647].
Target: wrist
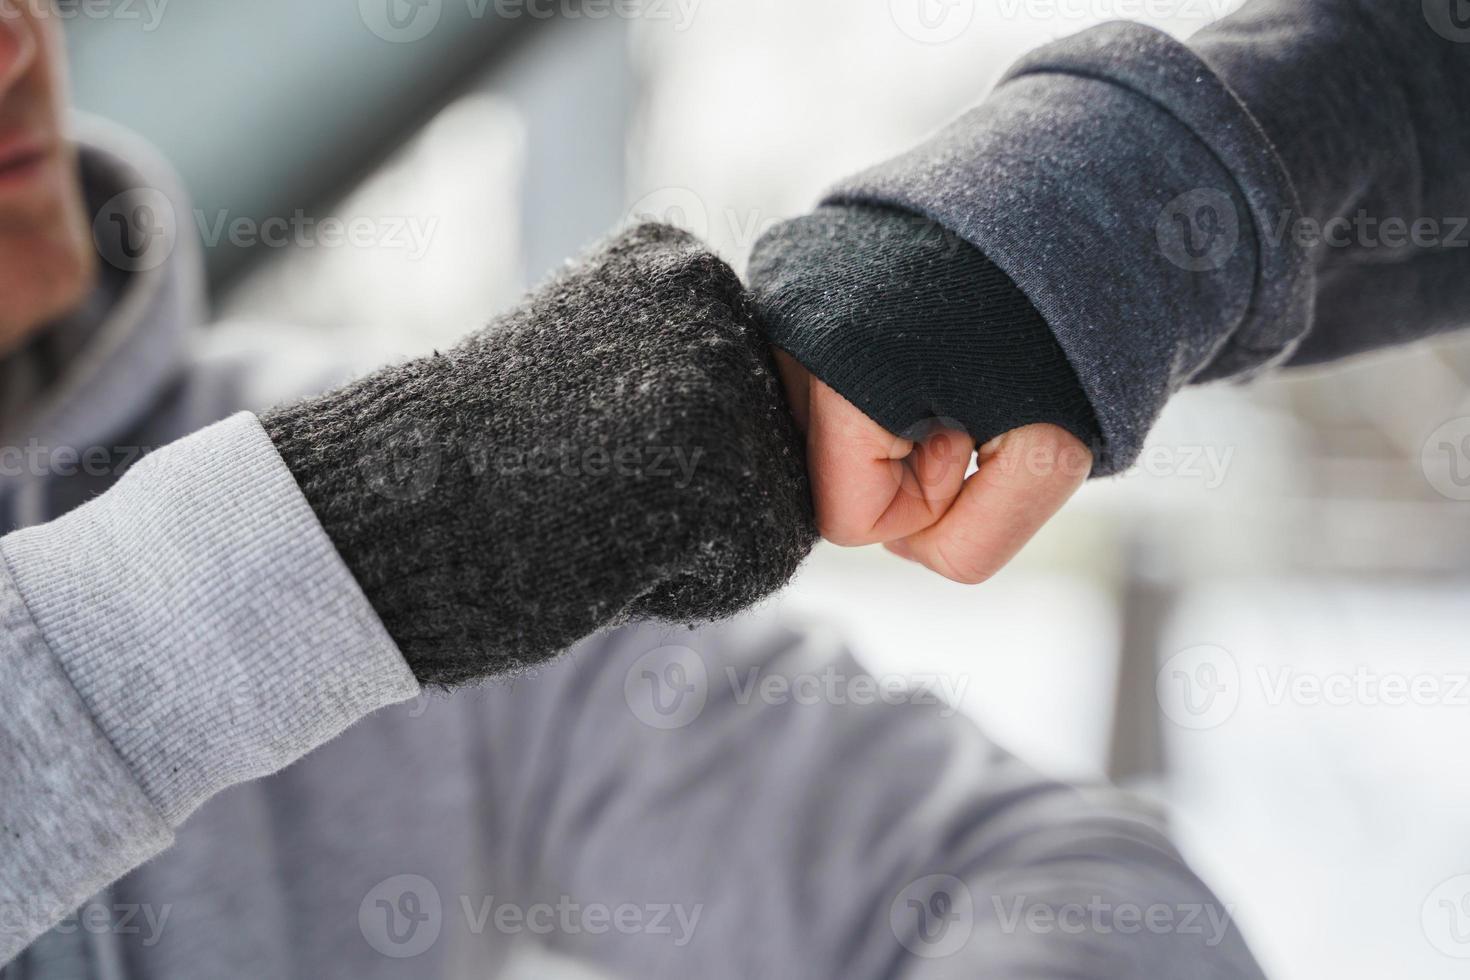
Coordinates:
[912,324]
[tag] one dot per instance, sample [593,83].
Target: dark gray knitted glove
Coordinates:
[616,448]
[910,322]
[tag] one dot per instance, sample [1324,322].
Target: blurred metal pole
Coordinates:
[1137,750]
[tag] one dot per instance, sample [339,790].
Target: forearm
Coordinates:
[1155,204]
[190,629]
[1359,100]
[614,448]
[1082,177]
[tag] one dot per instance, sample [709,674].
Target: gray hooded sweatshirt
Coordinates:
[210,746]
[215,763]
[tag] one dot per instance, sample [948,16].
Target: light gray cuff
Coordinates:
[205,619]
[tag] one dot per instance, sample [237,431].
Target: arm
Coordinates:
[614,449]
[188,630]
[1149,200]
[1357,99]
[1125,214]
[790,832]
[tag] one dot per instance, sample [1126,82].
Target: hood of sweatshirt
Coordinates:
[128,341]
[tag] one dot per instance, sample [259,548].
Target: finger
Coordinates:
[869,485]
[1025,477]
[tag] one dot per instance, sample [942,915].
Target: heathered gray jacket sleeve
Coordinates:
[1288,187]
[758,805]
[190,629]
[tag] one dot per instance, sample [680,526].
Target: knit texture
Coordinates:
[911,323]
[615,448]
[179,603]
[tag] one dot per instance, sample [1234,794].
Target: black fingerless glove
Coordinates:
[911,323]
[616,448]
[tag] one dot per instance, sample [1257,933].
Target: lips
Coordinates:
[22,158]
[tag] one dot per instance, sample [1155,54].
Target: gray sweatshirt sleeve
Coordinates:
[1288,187]
[190,629]
[747,801]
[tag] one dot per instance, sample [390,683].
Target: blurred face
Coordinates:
[46,256]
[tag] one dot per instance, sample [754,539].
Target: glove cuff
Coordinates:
[912,324]
[615,448]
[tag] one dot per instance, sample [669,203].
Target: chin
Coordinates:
[41,281]
[47,268]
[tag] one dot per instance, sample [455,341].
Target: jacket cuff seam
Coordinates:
[1260,178]
[204,618]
